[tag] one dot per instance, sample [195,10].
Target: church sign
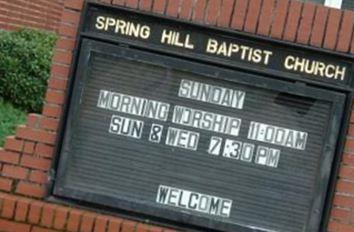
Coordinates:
[201,127]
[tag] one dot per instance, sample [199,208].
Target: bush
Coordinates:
[9,118]
[25,60]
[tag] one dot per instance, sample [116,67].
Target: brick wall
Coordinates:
[26,158]
[41,14]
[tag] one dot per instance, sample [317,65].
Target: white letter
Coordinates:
[109,22]
[166,36]
[287,64]
[145,32]
[212,46]
[341,73]
[185,88]
[100,22]
[267,55]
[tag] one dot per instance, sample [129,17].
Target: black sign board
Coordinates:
[222,47]
[195,142]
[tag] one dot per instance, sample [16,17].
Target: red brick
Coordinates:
[240,10]
[292,23]
[340,214]
[155,229]
[159,6]
[33,120]
[35,162]
[22,208]
[74,221]
[8,226]
[128,226]
[199,11]
[305,27]
[62,57]
[332,28]
[64,44]
[212,11]
[319,26]
[172,8]
[29,147]
[38,177]
[349,144]
[114,225]
[343,201]
[35,212]
[8,207]
[186,9]
[266,17]
[15,172]
[87,222]
[142,228]
[252,16]
[280,13]
[48,215]
[44,150]
[145,5]
[68,30]
[13,144]
[351,130]
[344,219]
[58,84]
[5,184]
[346,172]
[35,135]
[55,96]
[60,219]
[348,159]
[39,229]
[346,31]
[226,11]
[118,2]
[132,3]
[32,190]
[51,110]
[2,198]
[345,187]
[9,157]
[70,16]
[101,224]
[75,5]
[50,124]
[334,226]
[59,71]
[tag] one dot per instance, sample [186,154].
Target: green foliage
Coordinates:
[9,118]
[25,60]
